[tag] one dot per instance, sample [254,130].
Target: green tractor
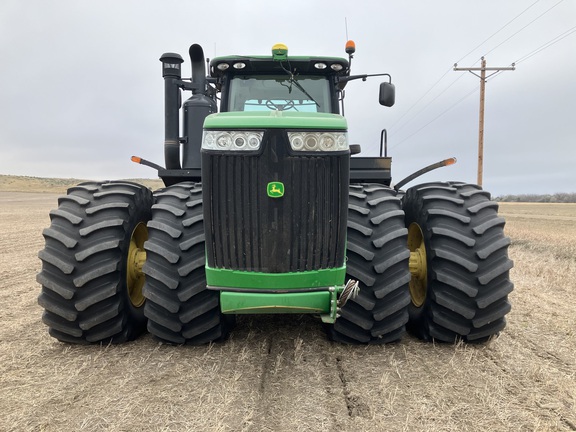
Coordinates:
[267,209]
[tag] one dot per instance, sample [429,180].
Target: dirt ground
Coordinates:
[279,373]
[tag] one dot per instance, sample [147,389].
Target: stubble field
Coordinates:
[280,373]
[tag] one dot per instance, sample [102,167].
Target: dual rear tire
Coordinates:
[460,281]
[91,289]
[115,264]
[434,262]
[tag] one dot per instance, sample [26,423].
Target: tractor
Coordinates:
[268,209]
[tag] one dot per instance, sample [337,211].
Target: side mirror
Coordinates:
[387,95]
[355,149]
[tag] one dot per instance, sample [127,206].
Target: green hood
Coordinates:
[275,119]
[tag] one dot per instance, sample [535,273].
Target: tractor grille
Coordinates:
[247,230]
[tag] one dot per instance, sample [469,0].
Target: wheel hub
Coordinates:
[418,265]
[136,259]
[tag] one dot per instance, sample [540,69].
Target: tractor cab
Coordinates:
[279,83]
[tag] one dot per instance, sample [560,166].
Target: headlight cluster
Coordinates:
[232,141]
[318,141]
[251,141]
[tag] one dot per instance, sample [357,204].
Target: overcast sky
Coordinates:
[81,87]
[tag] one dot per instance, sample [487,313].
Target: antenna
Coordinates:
[350,46]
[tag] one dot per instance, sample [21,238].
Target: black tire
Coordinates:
[377,257]
[179,307]
[464,294]
[86,295]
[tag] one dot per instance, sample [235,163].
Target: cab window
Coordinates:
[273,92]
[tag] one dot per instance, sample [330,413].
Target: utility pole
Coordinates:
[483,79]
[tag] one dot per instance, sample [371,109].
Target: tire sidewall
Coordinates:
[413,204]
[140,212]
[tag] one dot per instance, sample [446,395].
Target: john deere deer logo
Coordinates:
[275,189]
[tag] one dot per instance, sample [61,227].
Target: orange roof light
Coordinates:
[135,159]
[350,47]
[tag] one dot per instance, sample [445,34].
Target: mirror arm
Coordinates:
[362,77]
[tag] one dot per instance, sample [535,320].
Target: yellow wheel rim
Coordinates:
[136,259]
[418,265]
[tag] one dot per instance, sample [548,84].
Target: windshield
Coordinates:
[273,92]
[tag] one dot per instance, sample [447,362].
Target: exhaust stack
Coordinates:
[171,72]
[195,110]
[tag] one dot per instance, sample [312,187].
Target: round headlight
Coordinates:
[320,65]
[298,142]
[253,141]
[240,141]
[223,66]
[239,65]
[311,142]
[224,141]
[336,66]
[327,142]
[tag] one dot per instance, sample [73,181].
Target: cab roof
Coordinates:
[245,65]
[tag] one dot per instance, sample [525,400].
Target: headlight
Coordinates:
[318,141]
[231,140]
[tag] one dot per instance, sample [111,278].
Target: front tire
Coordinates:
[91,290]
[460,267]
[377,257]
[180,309]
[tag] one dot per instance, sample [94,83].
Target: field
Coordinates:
[279,373]
[10,183]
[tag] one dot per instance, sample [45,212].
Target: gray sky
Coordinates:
[81,87]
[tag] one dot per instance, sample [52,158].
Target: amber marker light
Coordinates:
[450,161]
[141,161]
[350,47]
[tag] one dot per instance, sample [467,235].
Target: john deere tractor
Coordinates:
[267,208]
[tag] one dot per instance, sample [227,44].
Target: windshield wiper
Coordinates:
[303,90]
[298,85]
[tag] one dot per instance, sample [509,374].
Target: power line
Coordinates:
[547,44]
[446,73]
[539,49]
[418,101]
[427,105]
[535,19]
[486,78]
[498,31]
[435,118]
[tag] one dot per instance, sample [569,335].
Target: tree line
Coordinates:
[545,198]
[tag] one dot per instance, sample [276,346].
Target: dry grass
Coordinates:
[281,374]
[10,183]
